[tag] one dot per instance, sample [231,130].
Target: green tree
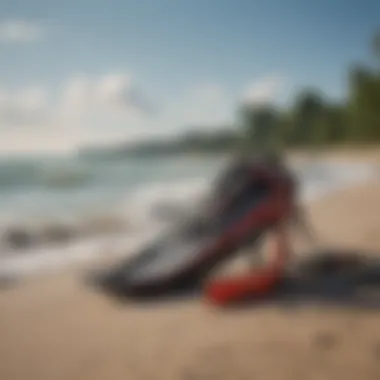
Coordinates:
[335,124]
[260,125]
[308,113]
[364,105]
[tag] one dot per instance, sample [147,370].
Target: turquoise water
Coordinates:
[123,196]
[56,186]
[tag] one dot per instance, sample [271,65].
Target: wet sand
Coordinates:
[54,327]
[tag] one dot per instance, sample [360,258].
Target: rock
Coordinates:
[17,238]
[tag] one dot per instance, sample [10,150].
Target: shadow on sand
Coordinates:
[327,279]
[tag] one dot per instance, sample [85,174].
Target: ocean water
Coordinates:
[57,210]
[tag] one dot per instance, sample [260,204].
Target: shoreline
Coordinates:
[350,152]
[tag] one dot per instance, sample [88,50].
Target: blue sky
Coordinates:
[191,61]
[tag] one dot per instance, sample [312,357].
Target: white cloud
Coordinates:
[32,98]
[206,94]
[110,108]
[20,31]
[84,109]
[113,90]
[204,105]
[263,91]
[113,93]
[22,107]
[76,95]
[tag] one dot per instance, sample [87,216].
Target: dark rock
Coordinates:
[17,238]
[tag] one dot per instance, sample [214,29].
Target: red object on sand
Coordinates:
[257,284]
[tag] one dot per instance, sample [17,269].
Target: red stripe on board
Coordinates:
[257,284]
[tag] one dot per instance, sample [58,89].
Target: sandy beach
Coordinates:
[53,327]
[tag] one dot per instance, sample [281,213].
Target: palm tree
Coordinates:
[376,45]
